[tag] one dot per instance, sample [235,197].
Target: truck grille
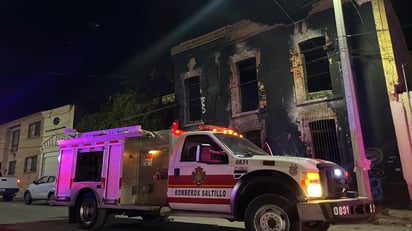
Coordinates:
[333,185]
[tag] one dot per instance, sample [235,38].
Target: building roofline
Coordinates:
[240,30]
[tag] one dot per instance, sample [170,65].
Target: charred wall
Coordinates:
[294,114]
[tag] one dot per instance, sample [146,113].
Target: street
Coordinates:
[16,216]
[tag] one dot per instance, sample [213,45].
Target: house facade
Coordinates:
[28,148]
[282,87]
[20,142]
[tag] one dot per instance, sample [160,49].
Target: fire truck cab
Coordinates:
[212,172]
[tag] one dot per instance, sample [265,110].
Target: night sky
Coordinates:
[56,52]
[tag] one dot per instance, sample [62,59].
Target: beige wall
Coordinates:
[40,146]
[27,147]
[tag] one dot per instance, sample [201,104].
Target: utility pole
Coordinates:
[362,165]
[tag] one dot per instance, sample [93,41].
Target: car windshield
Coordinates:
[240,146]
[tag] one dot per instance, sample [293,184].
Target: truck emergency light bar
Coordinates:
[114,131]
[214,128]
[204,127]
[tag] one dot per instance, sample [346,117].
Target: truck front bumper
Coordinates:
[336,210]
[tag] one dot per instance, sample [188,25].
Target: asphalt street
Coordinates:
[16,216]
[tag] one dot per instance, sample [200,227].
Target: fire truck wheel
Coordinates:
[89,215]
[271,212]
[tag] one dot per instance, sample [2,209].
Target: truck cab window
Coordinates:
[190,148]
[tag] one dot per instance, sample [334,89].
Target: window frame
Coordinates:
[308,61]
[12,166]
[193,103]
[15,140]
[244,71]
[34,129]
[33,164]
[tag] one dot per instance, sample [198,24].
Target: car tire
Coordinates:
[50,198]
[27,198]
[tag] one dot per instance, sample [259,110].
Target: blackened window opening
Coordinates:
[193,98]
[249,98]
[324,138]
[316,64]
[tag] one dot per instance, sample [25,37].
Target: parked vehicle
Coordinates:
[40,189]
[8,187]
[212,172]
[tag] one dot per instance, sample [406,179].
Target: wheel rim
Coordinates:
[271,218]
[88,211]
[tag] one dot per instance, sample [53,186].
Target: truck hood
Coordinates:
[308,164]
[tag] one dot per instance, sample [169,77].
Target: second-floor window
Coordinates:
[192,87]
[30,164]
[248,88]
[12,168]
[315,65]
[34,129]
[15,136]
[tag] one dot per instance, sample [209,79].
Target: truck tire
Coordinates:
[89,215]
[270,212]
[8,197]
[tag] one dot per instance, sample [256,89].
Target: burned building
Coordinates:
[282,86]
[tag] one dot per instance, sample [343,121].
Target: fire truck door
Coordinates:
[202,185]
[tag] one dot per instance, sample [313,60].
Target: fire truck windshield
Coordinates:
[240,146]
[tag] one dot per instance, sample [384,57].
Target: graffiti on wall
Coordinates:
[376,173]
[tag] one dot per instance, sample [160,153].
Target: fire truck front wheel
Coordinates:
[270,212]
[88,214]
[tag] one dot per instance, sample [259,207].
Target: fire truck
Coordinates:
[211,171]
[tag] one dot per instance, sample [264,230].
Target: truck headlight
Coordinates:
[338,172]
[310,182]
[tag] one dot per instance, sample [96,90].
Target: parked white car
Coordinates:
[41,189]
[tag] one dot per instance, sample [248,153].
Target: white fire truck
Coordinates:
[211,172]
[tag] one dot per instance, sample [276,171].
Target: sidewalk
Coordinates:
[393,217]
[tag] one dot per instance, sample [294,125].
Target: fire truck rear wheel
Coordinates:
[89,215]
[270,212]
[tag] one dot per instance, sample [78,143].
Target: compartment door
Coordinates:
[64,177]
[113,171]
